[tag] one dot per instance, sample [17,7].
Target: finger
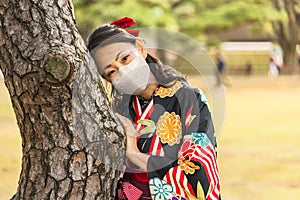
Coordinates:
[118,115]
[121,118]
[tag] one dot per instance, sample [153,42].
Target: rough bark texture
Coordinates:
[288,33]
[72,145]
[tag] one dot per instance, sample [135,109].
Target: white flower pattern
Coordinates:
[160,190]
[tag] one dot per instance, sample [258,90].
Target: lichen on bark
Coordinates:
[57,69]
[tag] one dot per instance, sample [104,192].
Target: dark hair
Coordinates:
[103,34]
[108,34]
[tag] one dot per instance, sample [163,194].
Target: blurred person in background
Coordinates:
[221,75]
[273,68]
[248,68]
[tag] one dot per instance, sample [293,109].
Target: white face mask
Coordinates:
[134,77]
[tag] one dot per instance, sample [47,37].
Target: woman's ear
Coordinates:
[141,47]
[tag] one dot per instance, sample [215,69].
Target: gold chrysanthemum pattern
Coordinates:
[187,166]
[168,128]
[168,91]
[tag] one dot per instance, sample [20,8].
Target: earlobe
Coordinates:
[141,47]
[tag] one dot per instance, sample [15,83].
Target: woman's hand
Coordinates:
[132,151]
[131,134]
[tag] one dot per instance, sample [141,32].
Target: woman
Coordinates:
[170,137]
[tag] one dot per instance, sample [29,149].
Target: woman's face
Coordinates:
[111,57]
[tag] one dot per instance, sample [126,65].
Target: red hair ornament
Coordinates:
[124,23]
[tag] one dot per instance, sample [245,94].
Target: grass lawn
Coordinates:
[259,147]
[10,147]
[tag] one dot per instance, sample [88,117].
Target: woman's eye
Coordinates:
[125,58]
[110,73]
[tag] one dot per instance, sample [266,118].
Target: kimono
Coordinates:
[175,128]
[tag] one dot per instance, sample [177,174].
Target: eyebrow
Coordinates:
[117,57]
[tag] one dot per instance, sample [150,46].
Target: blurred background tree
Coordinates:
[287,29]
[205,21]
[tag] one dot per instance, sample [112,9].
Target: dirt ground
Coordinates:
[258,148]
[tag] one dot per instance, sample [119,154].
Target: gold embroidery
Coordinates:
[168,128]
[170,91]
[187,166]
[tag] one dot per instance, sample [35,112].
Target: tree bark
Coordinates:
[72,144]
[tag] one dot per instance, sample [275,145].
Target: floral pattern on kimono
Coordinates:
[176,130]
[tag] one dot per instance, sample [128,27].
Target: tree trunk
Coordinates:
[290,59]
[288,34]
[72,144]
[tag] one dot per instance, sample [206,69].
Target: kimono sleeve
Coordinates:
[194,175]
[158,166]
[198,116]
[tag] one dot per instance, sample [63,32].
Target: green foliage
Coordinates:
[196,18]
[231,14]
[147,13]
